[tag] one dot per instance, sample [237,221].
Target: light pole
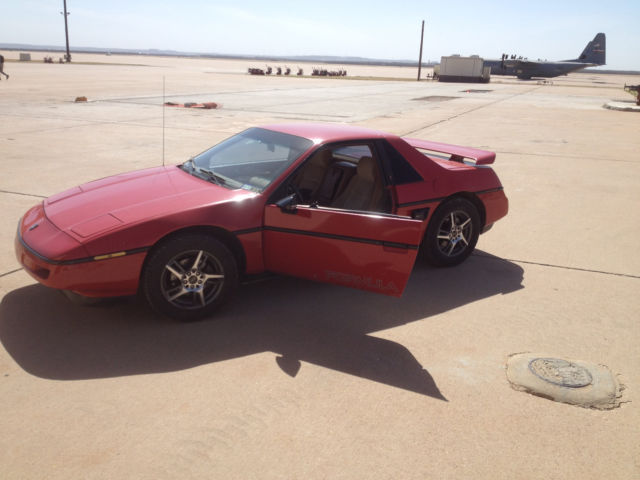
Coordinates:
[66,29]
[419,59]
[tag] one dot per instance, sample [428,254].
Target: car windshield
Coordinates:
[251,160]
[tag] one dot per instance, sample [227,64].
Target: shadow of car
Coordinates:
[300,321]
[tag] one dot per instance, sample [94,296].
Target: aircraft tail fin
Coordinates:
[595,52]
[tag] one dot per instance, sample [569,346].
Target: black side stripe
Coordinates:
[491,190]
[439,199]
[421,202]
[95,258]
[332,236]
[246,231]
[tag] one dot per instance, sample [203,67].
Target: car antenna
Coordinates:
[163,107]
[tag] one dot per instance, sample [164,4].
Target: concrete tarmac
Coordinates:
[297,379]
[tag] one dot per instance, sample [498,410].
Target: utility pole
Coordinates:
[419,59]
[66,29]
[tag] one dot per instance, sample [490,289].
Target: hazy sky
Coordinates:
[383,29]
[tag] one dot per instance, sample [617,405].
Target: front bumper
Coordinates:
[108,275]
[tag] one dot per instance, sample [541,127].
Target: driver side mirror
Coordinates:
[288,204]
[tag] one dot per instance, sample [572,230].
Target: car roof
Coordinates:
[326,132]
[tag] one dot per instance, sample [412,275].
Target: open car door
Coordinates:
[365,250]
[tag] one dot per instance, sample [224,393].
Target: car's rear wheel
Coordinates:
[189,277]
[452,233]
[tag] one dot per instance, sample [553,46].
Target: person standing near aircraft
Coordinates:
[2,67]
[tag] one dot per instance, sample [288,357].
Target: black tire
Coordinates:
[189,276]
[452,233]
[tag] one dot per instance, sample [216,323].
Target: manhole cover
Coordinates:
[576,382]
[560,372]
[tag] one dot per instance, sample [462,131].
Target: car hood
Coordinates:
[113,202]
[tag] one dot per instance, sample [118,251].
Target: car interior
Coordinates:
[346,177]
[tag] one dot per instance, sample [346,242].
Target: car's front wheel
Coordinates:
[188,277]
[452,233]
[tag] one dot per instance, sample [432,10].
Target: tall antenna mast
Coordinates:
[163,107]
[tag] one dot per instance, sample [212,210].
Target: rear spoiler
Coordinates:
[457,153]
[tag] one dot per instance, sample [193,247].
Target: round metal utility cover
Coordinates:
[560,372]
[576,382]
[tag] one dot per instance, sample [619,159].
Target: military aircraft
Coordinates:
[594,54]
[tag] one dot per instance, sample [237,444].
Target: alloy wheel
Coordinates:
[192,279]
[454,233]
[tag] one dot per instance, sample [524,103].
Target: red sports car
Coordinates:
[331,203]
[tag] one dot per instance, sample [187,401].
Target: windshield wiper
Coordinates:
[217,179]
